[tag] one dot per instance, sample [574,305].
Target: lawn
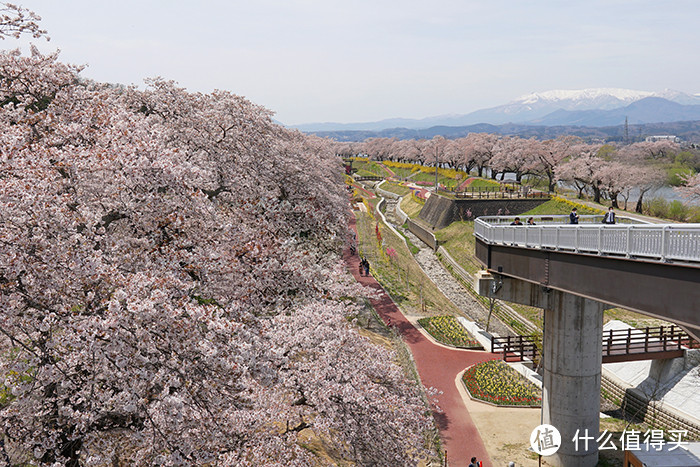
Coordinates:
[395,188]
[369,168]
[484,183]
[392,264]
[430,177]
[411,206]
[458,239]
[559,205]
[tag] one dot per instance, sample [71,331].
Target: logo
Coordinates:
[545,440]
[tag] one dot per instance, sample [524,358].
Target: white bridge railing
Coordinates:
[629,237]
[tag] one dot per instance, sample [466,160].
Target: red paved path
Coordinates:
[438,368]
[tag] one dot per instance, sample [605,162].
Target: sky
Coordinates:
[367,60]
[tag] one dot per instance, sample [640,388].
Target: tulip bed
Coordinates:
[496,382]
[447,330]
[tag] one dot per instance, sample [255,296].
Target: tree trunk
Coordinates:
[613,200]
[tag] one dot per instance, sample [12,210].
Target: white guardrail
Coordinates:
[629,237]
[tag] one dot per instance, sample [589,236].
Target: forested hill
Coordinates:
[687,131]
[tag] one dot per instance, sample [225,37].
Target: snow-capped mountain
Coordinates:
[536,106]
[557,107]
[585,99]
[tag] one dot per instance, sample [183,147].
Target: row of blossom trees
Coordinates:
[171,284]
[602,170]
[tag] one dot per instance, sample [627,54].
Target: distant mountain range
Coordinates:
[599,107]
[688,131]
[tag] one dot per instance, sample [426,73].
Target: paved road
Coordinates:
[438,367]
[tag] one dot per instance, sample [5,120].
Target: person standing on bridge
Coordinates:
[573,217]
[609,217]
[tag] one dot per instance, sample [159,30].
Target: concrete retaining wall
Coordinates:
[636,404]
[384,193]
[403,217]
[387,223]
[440,211]
[423,233]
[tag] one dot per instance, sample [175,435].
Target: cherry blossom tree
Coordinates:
[583,171]
[514,154]
[551,153]
[649,150]
[616,178]
[15,21]
[171,283]
[434,150]
[407,150]
[479,151]
[691,186]
[646,156]
[379,148]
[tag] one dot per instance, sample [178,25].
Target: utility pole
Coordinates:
[627,131]
[436,168]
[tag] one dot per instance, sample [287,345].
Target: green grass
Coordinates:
[401,171]
[561,206]
[369,168]
[447,330]
[483,183]
[411,206]
[364,173]
[411,247]
[458,239]
[430,177]
[394,188]
[399,274]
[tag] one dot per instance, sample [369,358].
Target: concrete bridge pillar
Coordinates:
[572,359]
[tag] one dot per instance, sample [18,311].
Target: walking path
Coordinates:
[438,366]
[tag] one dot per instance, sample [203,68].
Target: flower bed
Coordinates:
[447,330]
[496,382]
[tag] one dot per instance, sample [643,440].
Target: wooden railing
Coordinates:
[516,348]
[646,340]
[479,193]
[618,344]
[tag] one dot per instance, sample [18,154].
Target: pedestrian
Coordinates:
[609,217]
[366,267]
[362,266]
[516,221]
[511,464]
[573,217]
[531,221]
[474,463]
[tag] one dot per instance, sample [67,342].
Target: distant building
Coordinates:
[653,139]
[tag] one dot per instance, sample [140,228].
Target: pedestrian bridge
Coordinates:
[653,269]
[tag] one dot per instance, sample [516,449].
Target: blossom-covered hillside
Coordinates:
[171,286]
